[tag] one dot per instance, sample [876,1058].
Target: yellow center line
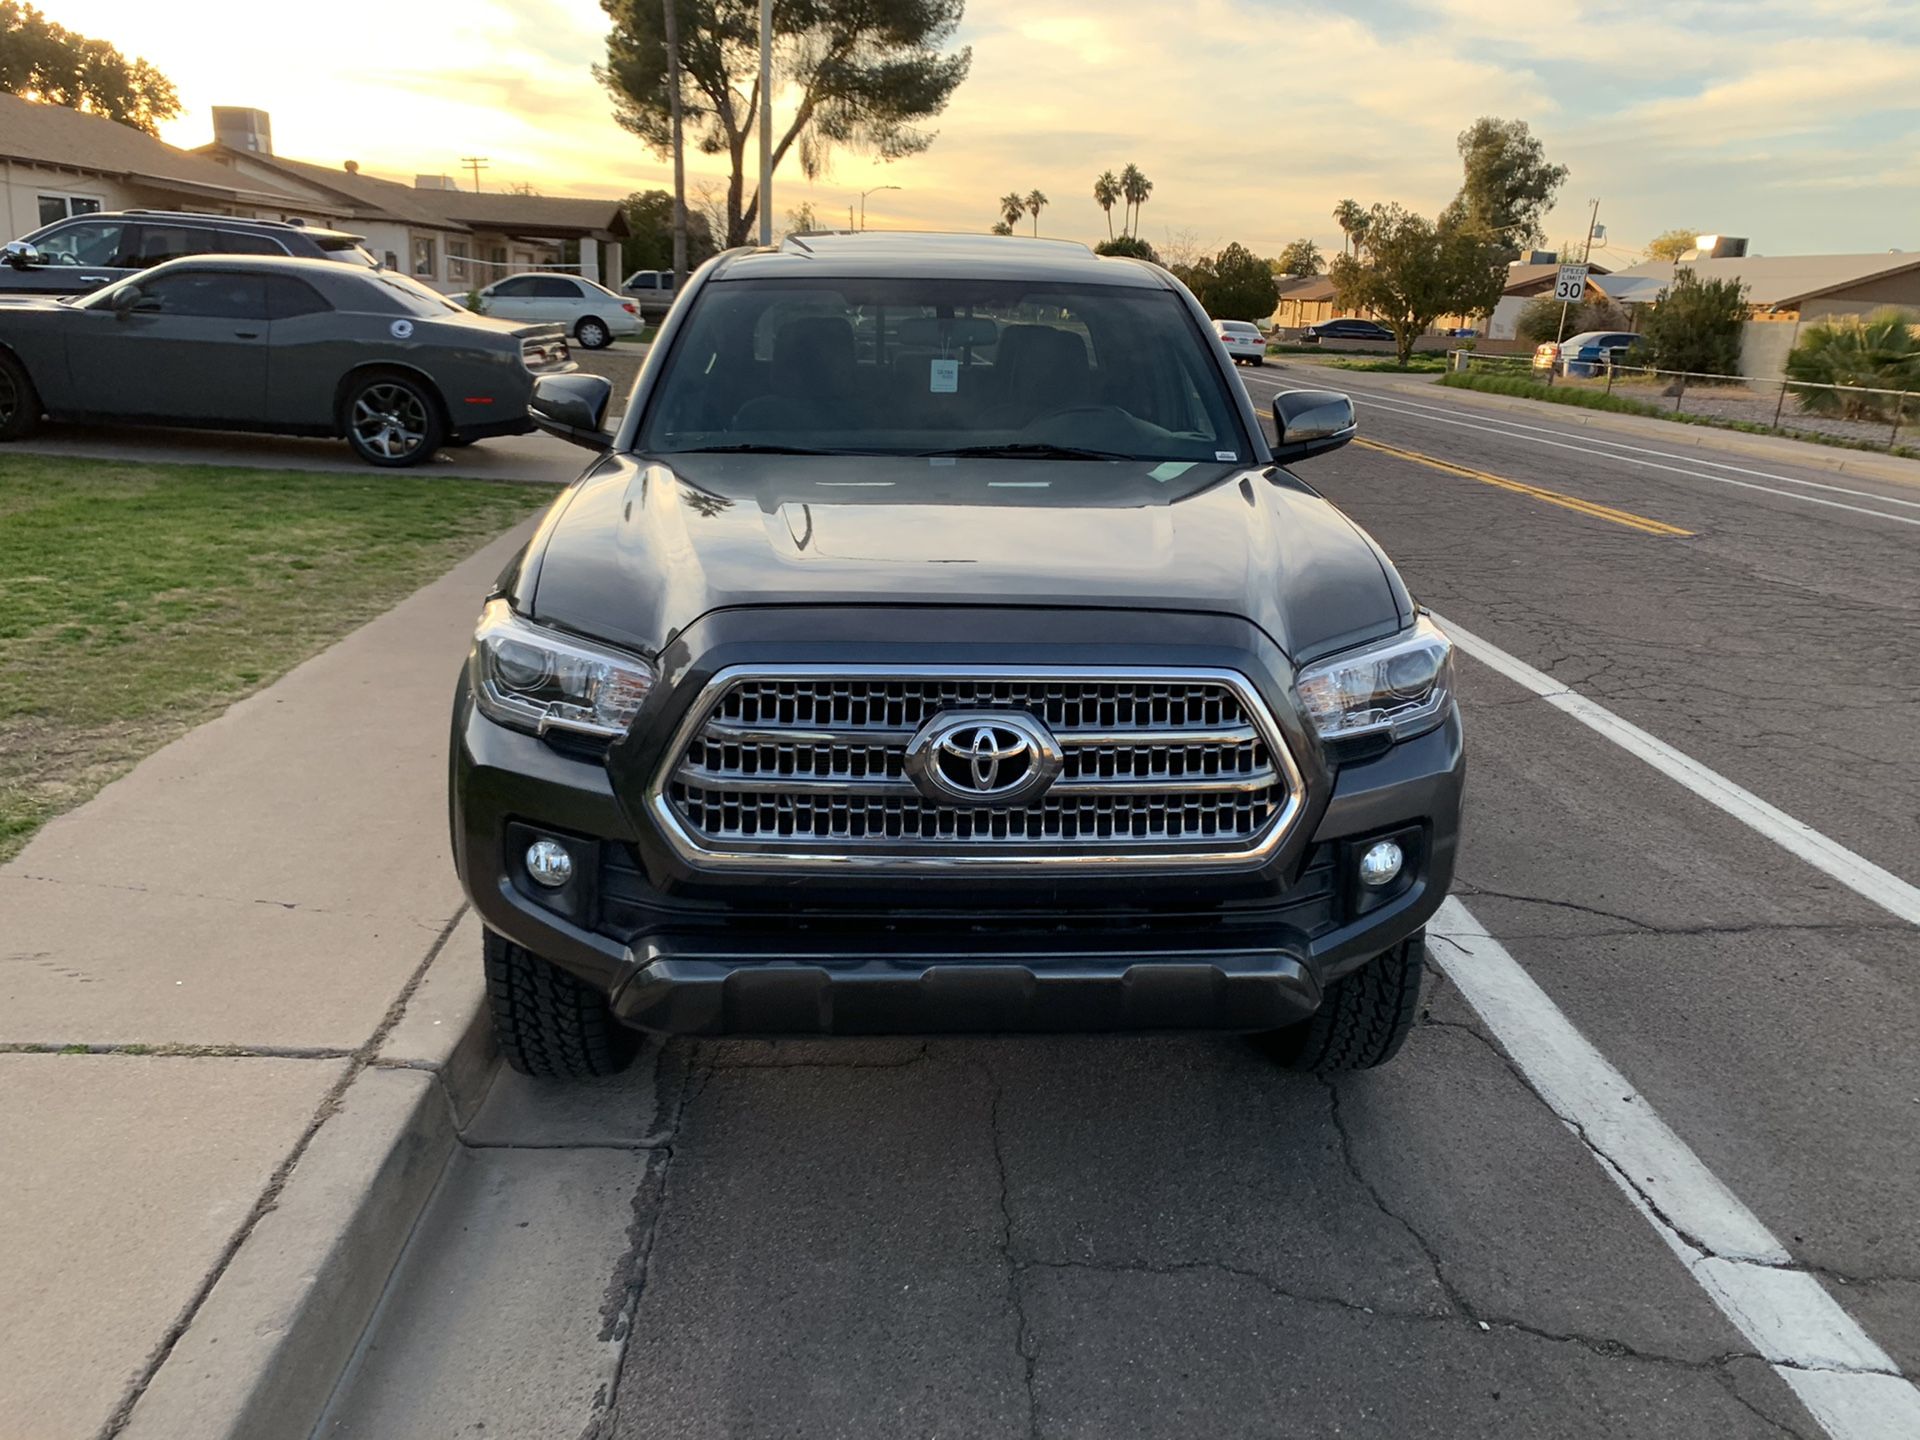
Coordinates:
[1552,497]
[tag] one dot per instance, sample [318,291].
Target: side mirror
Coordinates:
[1310,422]
[19,254]
[574,407]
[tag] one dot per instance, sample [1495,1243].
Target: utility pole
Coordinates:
[1585,256]
[672,21]
[766,122]
[475,163]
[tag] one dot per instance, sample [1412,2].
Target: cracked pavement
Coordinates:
[1167,1236]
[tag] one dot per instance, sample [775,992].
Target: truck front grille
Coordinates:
[1167,769]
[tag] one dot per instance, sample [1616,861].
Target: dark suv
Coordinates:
[84,252]
[939,644]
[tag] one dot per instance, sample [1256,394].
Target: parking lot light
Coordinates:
[550,865]
[1380,864]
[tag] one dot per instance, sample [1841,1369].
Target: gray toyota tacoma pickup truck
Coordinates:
[940,643]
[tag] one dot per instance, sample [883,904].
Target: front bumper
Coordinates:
[1183,952]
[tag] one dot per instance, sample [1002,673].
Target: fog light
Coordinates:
[549,863]
[1380,864]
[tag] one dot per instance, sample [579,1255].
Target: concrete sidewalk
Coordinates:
[222,1040]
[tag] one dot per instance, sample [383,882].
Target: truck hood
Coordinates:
[642,548]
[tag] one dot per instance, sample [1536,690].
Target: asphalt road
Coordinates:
[1647,1167]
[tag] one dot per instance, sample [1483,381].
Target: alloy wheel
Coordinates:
[389,420]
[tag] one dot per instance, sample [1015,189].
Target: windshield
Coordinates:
[348,250]
[932,367]
[408,296]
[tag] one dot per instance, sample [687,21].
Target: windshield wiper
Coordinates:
[1032,450]
[750,448]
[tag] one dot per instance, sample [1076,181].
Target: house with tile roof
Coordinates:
[56,162]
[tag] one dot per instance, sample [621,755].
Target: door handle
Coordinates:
[248,334]
[95,279]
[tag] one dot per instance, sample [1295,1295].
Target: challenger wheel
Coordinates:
[1364,1017]
[549,1024]
[392,420]
[593,334]
[19,401]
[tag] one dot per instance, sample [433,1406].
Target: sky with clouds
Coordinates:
[1793,122]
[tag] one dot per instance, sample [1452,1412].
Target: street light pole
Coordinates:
[766,122]
[863,202]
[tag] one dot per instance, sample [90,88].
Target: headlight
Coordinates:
[1400,686]
[537,679]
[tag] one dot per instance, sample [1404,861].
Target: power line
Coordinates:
[475,163]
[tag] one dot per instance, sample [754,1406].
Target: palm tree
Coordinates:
[1036,202]
[1001,227]
[1352,221]
[1135,187]
[1106,194]
[1012,207]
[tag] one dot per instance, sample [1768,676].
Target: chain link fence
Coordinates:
[1861,415]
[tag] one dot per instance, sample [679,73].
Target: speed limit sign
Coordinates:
[1572,283]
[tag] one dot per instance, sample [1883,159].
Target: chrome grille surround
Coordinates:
[1167,768]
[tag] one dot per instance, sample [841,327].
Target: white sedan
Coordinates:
[1243,340]
[591,313]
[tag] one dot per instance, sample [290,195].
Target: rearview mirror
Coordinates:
[1310,422]
[19,254]
[574,407]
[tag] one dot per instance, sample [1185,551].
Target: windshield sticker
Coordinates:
[401,329]
[1233,455]
[944,379]
[1172,470]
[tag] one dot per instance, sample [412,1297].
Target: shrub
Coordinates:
[1694,325]
[1539,320]
[1131,245]
[1881,352]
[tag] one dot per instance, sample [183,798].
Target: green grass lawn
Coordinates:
[138,600]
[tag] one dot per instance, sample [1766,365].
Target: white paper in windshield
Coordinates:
[944,378]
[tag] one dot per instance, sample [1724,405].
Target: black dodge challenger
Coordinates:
[290,346]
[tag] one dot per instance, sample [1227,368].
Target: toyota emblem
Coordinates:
[982,757]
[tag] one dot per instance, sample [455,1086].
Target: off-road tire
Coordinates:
[593,333]
[19,401]
[1364,1017]
[547,1023]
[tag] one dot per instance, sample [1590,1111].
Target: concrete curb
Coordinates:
[1783,449]
[263,1354]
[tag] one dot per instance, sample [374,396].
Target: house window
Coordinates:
[59,207]
[423,257]
[458,253]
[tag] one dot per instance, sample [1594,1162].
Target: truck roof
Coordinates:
[915,254]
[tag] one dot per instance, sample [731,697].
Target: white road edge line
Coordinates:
[1846,1381]
[1399,402]
[1394,406]
[1856,872]
[1670,469]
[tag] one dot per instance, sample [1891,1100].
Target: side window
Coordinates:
[205,293]
[288,298]
[85,242]
[553,287]
[149,244]
[241,242]
[517,288]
